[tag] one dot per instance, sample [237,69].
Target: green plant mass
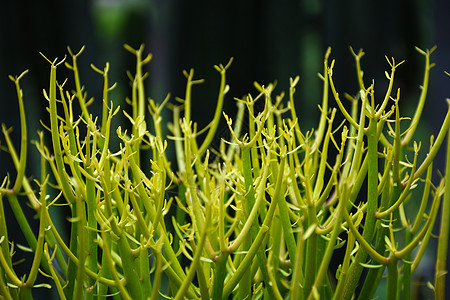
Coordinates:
[274,212]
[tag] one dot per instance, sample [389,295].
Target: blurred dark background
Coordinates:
[269,40]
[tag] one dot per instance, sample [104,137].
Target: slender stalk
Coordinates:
[54,276]
[4,234]
[392,277]
[218,112]
[374,275]
[219,276]
[372,206]
[423,95]
[23,141]
[196,261]
[91,205]
[246,262]
[344,267]
[4,290]
[78,289]
[405,285]
[105,270]
[297,271]
[287,229]
[38,257]
[321,273]
[111,265]
[311,243]
[144,268]
[245,283]
[441,261]
[67,190]
[129,271]
[72,256]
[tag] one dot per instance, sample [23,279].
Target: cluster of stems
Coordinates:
[261,216]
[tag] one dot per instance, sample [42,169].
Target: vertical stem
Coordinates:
[276,236]
[344,266]
[105,272]
[71,265]
[311,243]
[287,228]
[332,242]
[245,283]
[91,231]
[23,141]
[218,112]
[297,272]
[246,262]
[372,206]
[441,261]
[78,288]
[247,155]
[144,265]
[196,260]
[406,278]
[65,187]
[219,276]
[158,274]
[310,264]
[129,271]
[392,278]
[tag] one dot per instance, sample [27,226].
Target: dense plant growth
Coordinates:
[261,216]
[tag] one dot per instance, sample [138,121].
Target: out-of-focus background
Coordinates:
[269,40]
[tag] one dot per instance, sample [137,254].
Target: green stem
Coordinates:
[374,275]
[311,243]
[276,235]
[219,276]
[4,235]
[297,271]
[23,141]
[105,272]
[246,262]
[64,178]
[54,276]
[245,283]
[406,279]
[344,267]
[435,148]
[25,228]
[310,264]
[287,228]
[158,274]
[91,231]
[392,278]
[372,206]
[423,95]
[218,113]
[78,288]
[441,260]
[129,271]
[38,257]
[196,261]
[71,265]
[144,266]
[4,290]
[112,267]
[331,243]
